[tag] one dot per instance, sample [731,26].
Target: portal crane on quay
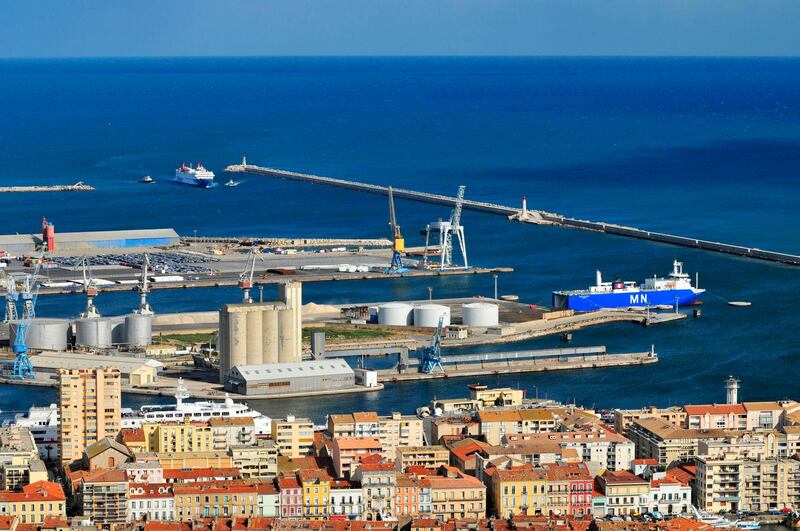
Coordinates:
[22,368]
[144,288]
[89,288]
[246,276]
[398,243]
[432,354]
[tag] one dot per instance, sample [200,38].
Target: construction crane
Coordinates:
[432,354]
[22,369]
[90,288]
[398,243]
[144,289]
[246,276]
[11,299]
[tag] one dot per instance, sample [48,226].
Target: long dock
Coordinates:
[539,217]
[233,280]
[521,362]
[79,186]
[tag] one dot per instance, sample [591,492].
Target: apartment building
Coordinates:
[499,396]
[625,417]
[150,501]
[227,432]
[608,449]
[741,475]
[518,490]
[625,492]
[430,457]
[536,453]
[669,495]
[412,497]
[658,439]
[37,501]
[346,499]
[456,495]
[378,490]
[20,463]
[294,437]
[569,488]
[290,497]
[716,417]
[89,408]
[393,430]
[348,451]
[316,485]
[204,500]
[260,461]
[496,424]
[104,495]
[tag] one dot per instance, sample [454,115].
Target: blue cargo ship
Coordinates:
[676,288]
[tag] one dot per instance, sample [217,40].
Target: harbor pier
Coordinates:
[523,215]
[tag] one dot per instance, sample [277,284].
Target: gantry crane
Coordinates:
[30,286]
[89,288]
[144,289]
[446,230]
[11,299]
[398,243]
[432,354]
[246,276]
[23,370]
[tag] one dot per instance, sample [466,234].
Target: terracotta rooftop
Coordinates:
[761,406]
[716,409]
[358,443]
[182,474]
[37,491]
[150,490]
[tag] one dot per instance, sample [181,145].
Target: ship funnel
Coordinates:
[599,278]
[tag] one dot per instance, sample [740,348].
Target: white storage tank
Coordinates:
[138,329]
[44,334]
[395,314]
[118,336]
[93,332]
[480,314]
[427,315]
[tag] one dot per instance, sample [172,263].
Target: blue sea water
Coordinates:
[700,147]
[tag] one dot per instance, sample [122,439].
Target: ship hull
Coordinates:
[586,302]
[199,183]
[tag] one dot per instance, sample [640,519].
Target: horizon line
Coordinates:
[403,56]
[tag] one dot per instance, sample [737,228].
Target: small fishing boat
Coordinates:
[231,183]
[740,304]
[147,180]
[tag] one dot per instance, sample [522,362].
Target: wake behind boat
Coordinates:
[675,289]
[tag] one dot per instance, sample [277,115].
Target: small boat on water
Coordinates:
[740,304]
[748,526]
[147,180]
[232,183]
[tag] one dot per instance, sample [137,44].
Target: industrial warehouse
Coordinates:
[290,378]
[51,241]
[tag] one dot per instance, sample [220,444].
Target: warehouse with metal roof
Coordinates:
[283,378]
[133,371]
[88,241]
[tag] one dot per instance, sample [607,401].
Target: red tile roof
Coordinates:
[716,409]
[150,490]
[182,474]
